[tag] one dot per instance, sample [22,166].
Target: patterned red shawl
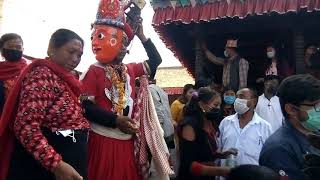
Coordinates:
[150,136]
[10,108]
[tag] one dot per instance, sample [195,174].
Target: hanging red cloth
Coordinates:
[9,70]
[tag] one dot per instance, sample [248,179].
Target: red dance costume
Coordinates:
[111,152]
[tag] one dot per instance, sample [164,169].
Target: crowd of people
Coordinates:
[273,135]
[114,122]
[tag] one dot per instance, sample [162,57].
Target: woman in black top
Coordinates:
[197,134]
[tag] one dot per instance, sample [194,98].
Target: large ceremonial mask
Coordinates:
[108,31]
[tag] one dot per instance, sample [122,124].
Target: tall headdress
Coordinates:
[111,13]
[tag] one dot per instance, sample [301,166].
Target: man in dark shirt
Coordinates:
[284,151]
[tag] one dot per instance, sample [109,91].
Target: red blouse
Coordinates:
[45,101]
[95,83]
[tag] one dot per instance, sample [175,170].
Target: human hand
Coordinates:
[66,172]
[126,125]
[230,151]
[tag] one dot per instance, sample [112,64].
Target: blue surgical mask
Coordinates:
[313,122]
[229,99]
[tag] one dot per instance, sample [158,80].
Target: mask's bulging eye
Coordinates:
[91,38]
[101,36]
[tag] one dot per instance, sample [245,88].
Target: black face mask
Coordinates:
[11,54]
[213,115]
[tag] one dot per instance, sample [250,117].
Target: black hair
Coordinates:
[271,77]
[229,89]
[186,88]
[298,88]
[252,172]
[204,94]
[9,36]
[202,82]
[63,36]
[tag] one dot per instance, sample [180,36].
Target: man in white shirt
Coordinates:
[245,131]
[268,106]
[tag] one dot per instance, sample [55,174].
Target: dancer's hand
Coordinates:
[66,172]
[126,125]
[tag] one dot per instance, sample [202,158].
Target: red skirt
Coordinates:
[111,159]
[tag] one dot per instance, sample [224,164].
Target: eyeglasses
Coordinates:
[315,106]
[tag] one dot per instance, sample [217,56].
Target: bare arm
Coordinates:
[211,57]
[215,171]
[214,59]
[199,168]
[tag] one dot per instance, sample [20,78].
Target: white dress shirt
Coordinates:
[248,140]
[270,110]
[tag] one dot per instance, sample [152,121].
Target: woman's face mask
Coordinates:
[11,54]
[213,115]
[271,54]
[229,99]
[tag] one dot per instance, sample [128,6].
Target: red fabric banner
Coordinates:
[221,9]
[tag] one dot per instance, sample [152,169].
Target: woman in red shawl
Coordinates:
[43,133]
[11,47]
[112,86]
